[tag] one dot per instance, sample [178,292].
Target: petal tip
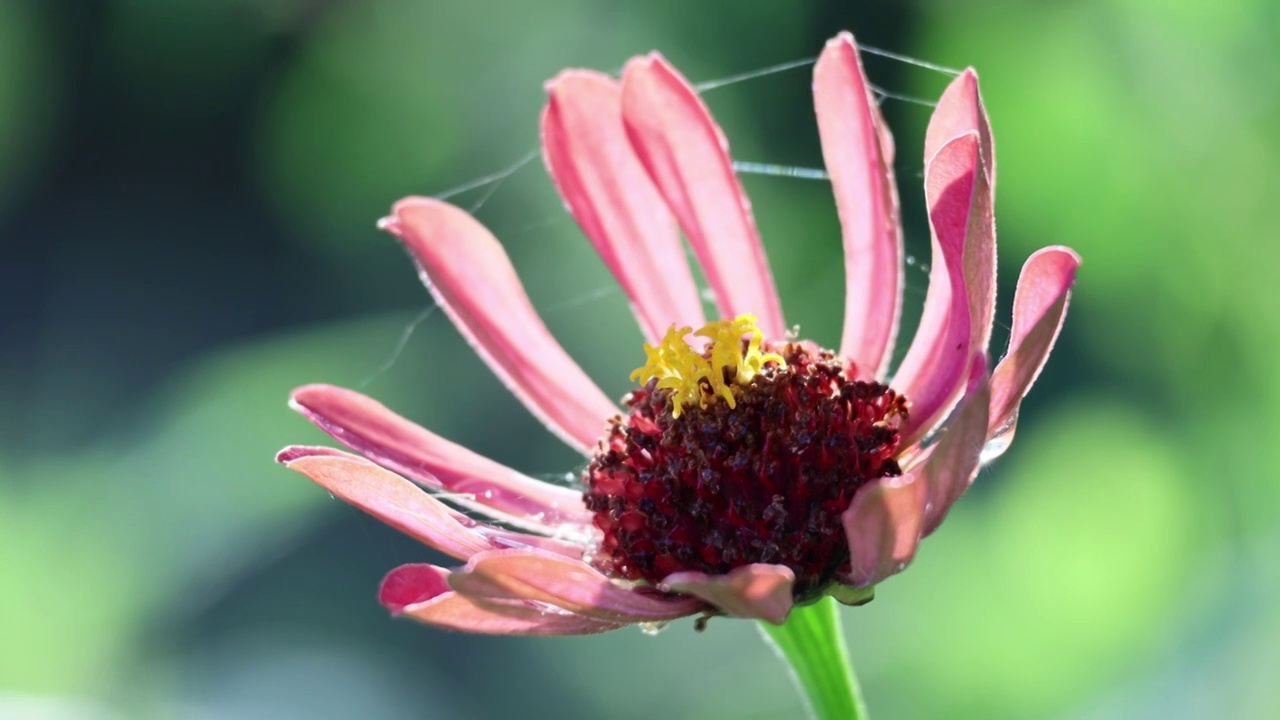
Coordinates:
[760,591]
[569,76]
[389,224]
[1068,254]
[305,393]
[410,584]
[650,61]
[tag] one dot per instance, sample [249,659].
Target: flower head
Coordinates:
[749,470]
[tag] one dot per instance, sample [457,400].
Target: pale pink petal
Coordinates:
[608,192]
[471,278]
[758,591]
[366,426]
[571,585]
[889,516]
[498,538]
[421,592]
[953,461]
[411,584]
[389,498]
[960,112]
[1039,307]
[687,157]
[884,525]
[858,153]
[933,373]
[515,540]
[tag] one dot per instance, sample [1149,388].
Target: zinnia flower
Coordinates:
[750,470]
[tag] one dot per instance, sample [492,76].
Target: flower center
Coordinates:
[744,452]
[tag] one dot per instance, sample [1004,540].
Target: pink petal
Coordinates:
[888,517]
[858,152]
[568,584]
[960,112]
[932,374]
[389,498]
[884,526]
[411,584]
[1039,308]
[515,540]
[471,278]
[499,538]
[421,592]
[758,591]
[953,462]
[609,193]
[687,157]
[366,426]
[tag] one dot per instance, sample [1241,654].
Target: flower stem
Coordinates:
[812,644]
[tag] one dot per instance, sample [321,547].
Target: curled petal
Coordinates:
[608,192]
[960,112]
[858,153]
[411,584]
[405,507]
[571,585]
[687,157]
[883,525]
[1039,308]
[368,427]
[421,592]
[953,460]
[758,591]
[932,374]
[389,498]
[888,517]
[471,278]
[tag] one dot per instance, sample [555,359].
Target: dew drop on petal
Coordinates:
[1000,440]
[653,628]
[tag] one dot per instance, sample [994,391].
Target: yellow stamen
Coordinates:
[700,377]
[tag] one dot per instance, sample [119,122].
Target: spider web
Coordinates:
[486,187]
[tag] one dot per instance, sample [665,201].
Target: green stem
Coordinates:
[812,644]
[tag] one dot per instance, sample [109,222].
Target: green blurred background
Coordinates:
[188,193]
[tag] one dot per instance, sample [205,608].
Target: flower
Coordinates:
[751,470]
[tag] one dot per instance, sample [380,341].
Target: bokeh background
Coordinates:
[188,193]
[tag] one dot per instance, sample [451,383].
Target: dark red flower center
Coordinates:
[711,487]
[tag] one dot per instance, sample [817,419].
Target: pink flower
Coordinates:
[750,470]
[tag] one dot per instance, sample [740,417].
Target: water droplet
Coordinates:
[707,294]
[911,260]
[653,628]
[902,566]
[1000,440]
[928,507]
[488,494]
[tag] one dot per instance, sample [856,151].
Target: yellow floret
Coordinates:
[699,377]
